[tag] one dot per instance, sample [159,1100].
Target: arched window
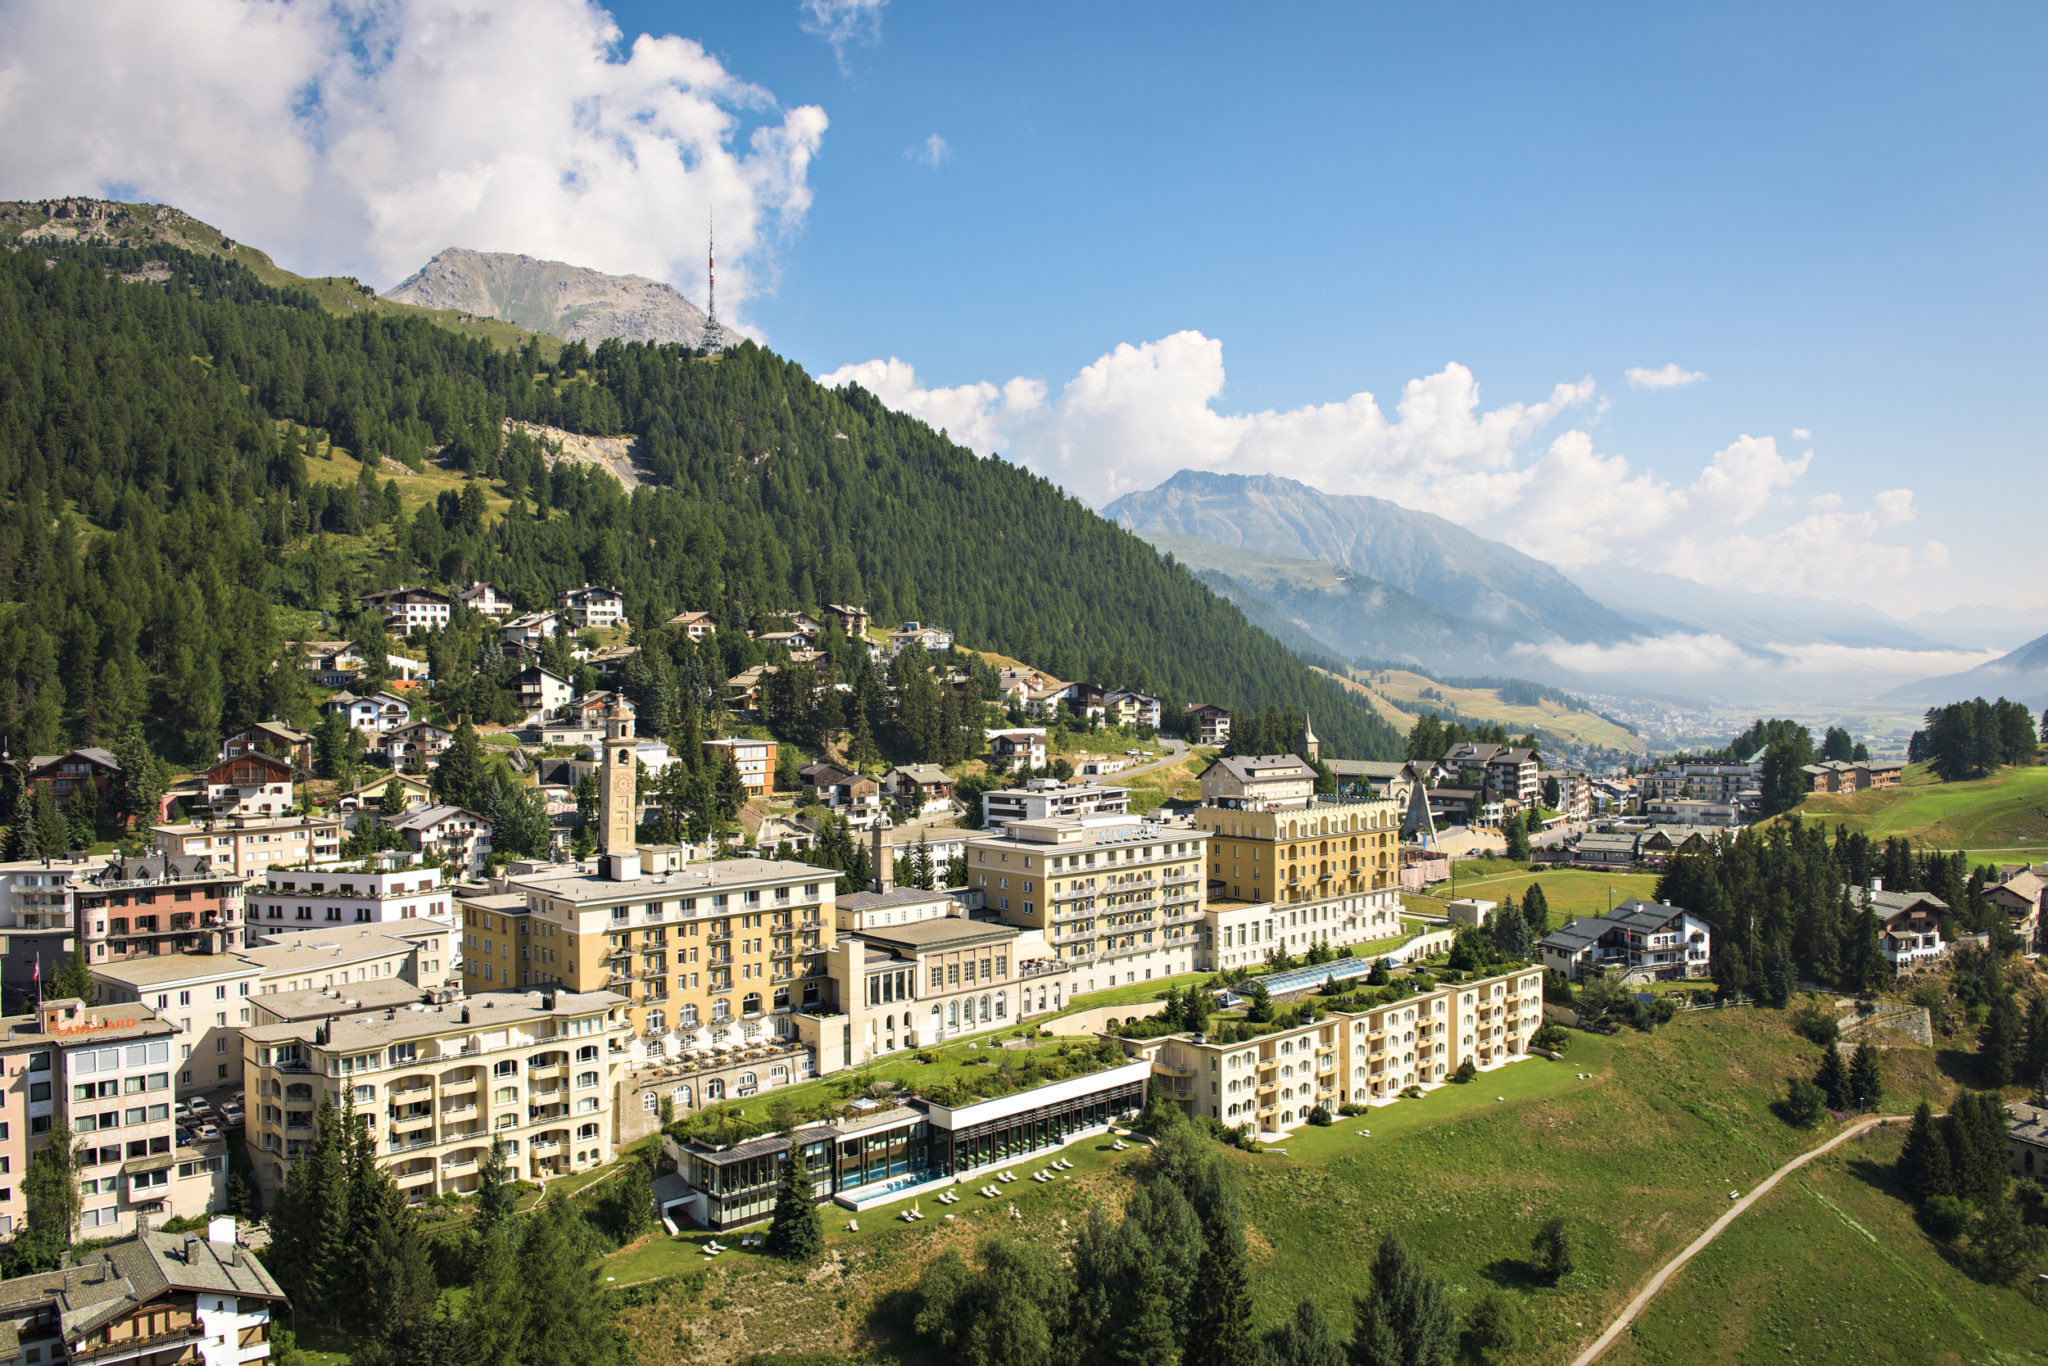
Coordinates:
[953,1014]
[749,1083]
[778,1074]
[681,1096]
[752,1004]
[1002,1001]
[721,1010]
[782,998]
[657,1022]
[714,1089]
[890,1024]
[587,1131]
[689,1020]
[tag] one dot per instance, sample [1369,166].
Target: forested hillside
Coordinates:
[161,535]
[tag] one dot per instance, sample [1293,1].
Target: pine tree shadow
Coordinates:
[1515,1273]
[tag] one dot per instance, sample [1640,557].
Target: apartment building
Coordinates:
[591,606]
[270,737]
[1643,940]
[409,609]
[755,759]
[695,625]
[1212,723]
[396,888]
[150,1298]
[1235,934]
[104,1071]
[1274,1082]
[378,714]
[1017,747]
[165,903]
[1045,798]
[82,775]
[1257,779]
[438,1084]
[247,847]
[210,998]
[38,913]
[1119,899]
[1723,782]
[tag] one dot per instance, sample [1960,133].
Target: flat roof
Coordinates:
[933,934]
[162,968]
[382,993]
[899,896]
[374,1028]
[323,948]
[110,1024]
[717,875]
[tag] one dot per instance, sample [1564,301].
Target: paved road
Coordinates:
[1175,751]
[1670,1268]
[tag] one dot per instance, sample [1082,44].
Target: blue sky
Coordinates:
[1825,220]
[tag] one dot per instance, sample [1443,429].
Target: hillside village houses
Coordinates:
[755,760]
[592,607]
[251,784]
[1212,723]
[1909,924]
[1017,747]
[409,609]
[486,599]
[1841,775]
[378,714]
[295,747]
[1041,798]
[1643,941]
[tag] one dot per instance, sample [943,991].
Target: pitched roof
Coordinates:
[426,817]
[1256,767]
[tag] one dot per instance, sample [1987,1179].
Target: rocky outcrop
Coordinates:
[571,302]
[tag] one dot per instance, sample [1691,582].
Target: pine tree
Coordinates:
[2034,1066]
[568,1320]
[1405,1318]
[1923,1164]
[462,778]
[394,798]
[1833,1079]
[1306,1339]
[49,1188]
[139,791]
[22,843]
[495,1315]
[495,1198]
[1866,1082]
[1552,1249]
[796,1232]
[1536,911]
[310,1225]
[2002,1042]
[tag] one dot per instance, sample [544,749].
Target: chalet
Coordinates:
[1841,775]
[1212,723]
[371,794]
[1659,844]
[792,641]
[1021,685]
[591,708]
[1022,746]
[592,607]
[250,784]
[409,609]
[417,746]
[853,621]
[376,715]
[851,795]
[271,737]
[1643,940]
[333,663]
[1086,701]
[485,598]
[743,689]
[921,789]
[542,691]
[150,1297]
[931,639]
[86,773]
[2020,897]
[695,625]
[460,837]
[1131,709]
[1908,923]
[526,632]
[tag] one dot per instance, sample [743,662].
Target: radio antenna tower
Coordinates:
[714,335]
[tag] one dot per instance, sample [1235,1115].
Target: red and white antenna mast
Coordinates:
[714,335]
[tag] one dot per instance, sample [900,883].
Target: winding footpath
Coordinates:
[1670,1268]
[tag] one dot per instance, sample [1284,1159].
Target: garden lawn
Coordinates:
[2007,810]
[1569,892]
[1831,1267]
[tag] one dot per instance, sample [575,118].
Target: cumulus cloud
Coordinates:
[1139,413]
[931,152]
[1664,377]
[364,138]
[1801,434]
[843,23]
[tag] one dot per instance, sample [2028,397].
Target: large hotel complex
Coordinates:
[559,1008]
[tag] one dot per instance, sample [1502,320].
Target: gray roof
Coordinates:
[114,1280]
[427,816]
[1251,767]
[1643,917]
[900,896]
[1889,904]
[938,934]
[384,993]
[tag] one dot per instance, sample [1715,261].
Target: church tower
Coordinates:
[617,845]
[1310,748]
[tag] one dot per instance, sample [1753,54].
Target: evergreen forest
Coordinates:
[164,546]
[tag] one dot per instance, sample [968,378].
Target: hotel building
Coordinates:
[1273,1082]
[437,1084]
[1119,899]
[1327,866]
[247,847]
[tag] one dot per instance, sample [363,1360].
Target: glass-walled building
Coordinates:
[891,1150]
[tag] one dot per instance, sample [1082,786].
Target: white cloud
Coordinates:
[1801,434]
[367,137]
[843,23]
[931,152]
[1140,413]
[1687,656]
[1665,377]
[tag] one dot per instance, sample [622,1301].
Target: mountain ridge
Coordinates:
[573,302]
[1431,557]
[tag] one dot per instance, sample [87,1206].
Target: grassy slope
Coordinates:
[1568,892]
[2007,811]
[1585,727]
[141,225]
[1830,1268]
[1638,1159]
